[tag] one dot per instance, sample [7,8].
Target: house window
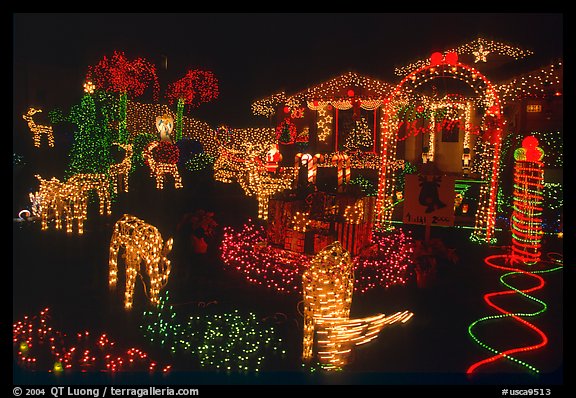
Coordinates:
[533,108]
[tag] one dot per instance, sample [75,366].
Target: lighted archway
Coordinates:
[445,66]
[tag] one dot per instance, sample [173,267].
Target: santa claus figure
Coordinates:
[273,158]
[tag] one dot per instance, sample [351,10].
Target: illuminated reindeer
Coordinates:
[119,171]
[142,243]
[159,169]
[328,284]
[245,167]
[56,199]
[38,129]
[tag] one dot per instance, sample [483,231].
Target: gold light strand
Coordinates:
[267,106]
[142,242]
[300,221]
[38,129]
[119,172]
[543,82]
[159,169]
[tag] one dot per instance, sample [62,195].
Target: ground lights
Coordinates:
[496,261]
[231,341]
[247,251]
[40,347]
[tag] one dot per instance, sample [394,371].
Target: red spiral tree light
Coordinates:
[527,203]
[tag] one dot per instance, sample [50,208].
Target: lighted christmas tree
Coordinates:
[92,140]
[360,137]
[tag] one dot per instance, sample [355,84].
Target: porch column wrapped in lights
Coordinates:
[527,202]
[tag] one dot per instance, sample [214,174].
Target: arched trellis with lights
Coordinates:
[444,66]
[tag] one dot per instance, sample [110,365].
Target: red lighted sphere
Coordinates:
[530,142]
[436,59]
[350,93]
[286,109]
[451,58]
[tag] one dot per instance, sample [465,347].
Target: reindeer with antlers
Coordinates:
[119,171]
[159,169]
[38,129]
[142,242]
[56,199]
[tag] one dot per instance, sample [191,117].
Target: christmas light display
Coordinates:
[527,204]
[125,77]
[93,136]
[38,129]
[162,157]
[480,48]
[501,261]
[70,199]
[199,162]
[443,65]
[141,242]
[119,172]
[360,137]
[543,83]
[286,131]
[247,251]
[311,163]
[230,342]
[327,285]
[324,123]
[267,106]
[342,163]
[195,88]
[39,347]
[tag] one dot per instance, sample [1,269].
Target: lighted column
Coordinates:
[527,203]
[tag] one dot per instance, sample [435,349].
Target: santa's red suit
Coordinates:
[273,158]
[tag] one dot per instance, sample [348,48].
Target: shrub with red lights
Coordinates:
[383,265]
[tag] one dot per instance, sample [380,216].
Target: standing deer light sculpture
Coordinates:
[159,169]
[38,129]
[119,171]
[142,243]
[328,284]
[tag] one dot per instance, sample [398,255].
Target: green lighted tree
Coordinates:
[360,137]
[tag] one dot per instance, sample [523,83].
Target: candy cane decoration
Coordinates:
[342,161]
[311,162]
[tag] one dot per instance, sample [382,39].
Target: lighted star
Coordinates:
[480,54]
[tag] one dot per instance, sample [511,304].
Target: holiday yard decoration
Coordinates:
[142,243]
[162,158]
[119,172]
[38,130]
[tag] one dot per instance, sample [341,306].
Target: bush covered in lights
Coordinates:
[383,264]
[231,341]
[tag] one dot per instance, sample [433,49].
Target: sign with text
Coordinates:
[429,199]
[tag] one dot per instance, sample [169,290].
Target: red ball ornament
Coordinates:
[350,93]
[315,103]
[436,59]
[451,58]
[530,142]
[286,109]
[419,109]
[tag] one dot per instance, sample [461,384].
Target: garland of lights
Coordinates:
[38,130]
[231,342]
[444,65]
[494,261]
[38,346]
[248,252]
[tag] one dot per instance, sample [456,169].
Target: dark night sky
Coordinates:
[253,55]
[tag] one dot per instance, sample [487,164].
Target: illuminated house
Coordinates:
[448,109]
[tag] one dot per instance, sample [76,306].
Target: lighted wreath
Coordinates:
[286,132]
[166,152]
